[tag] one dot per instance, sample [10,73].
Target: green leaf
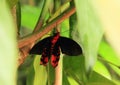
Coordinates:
[29,68]
[101,69]
[29,16]
[74,68]
[8,47]
[110,57]
[40,72]
[64,31]
[65,79]
[97,79]
[107,52]
[88,33]
[46,9]
[12,2]
[72,81]
[51,74]
[30,76]
[18,15]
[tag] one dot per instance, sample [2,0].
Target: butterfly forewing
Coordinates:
[69,47]
[39,47]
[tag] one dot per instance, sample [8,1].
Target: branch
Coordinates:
[25,43]
[58,72]
[37,35]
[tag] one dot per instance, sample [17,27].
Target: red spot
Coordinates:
[54,60]
[41,62]
[44,61]
[44,58]
[55,38]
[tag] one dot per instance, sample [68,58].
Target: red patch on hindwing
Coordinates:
[45,57]
[54,60]
[44,61]
[55,55]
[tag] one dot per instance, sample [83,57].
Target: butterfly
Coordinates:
[51,47]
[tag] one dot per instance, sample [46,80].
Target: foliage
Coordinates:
[8,57]
[12,3]
[99,63]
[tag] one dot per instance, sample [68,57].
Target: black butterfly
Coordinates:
[50,48]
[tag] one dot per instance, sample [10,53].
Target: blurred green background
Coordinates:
[94,26]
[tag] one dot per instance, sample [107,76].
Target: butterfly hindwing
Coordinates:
[55,54]
[69,47]
[45,56]
[39,47]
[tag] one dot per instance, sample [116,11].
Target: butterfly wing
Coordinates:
[69,47]
[39,47]
[55,54]
[42,47]
[45,56]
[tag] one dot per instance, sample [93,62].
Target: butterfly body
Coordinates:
[50,48]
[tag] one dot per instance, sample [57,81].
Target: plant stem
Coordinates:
[42,15]
[58,72]
[58,69]
[35,36]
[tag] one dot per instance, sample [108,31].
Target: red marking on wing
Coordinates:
[55,38]
[55,56]
[45,57]
[54,60]
[44,61]
[55,50]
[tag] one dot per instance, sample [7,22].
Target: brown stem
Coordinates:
[58,72]
[38,25]
[24,51]
[35,36]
